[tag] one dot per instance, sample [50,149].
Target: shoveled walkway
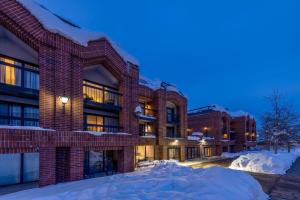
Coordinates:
[281,187]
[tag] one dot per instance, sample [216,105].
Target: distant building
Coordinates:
[223,131]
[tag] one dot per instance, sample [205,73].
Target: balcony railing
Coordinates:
[173,120]
[103,128]
[101,94]
[148,112]
[146,133]
[173,135]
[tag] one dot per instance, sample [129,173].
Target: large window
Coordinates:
[144,152]
[17,73]
[100,163]
[19,168]
[192,152]
[171,115]
[173,153]
[101,94]
[18,115]
[101,123]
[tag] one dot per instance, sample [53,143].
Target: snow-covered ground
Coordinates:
[166,180]
[266,162]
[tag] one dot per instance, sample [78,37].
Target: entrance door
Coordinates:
[207,151]
[173,153]
[62,164]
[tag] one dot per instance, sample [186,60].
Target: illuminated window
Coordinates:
[100,123]
[11,74]
[143,153]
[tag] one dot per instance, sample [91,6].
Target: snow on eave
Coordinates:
[34,128]
[218,108]
[102,133]
[158,84]
[55,24]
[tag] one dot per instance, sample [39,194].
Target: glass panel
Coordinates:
[15,111]
[3,121]
[140,153]
[31,123]
[96,164]
[149,152]
[31,80]
[10,166]
[15,122]
[3,109]
[31,167]
[31,112]
[90,119]
[173,153]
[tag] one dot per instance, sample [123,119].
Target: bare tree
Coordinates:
[280,124]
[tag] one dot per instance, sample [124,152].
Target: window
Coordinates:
[170,115]
[19,168]
[173,153]
[100,123]
[207,151]
[100,94]
[171,132]
[18,115]
[192,153]
[19,74]
[100,163]
[144,153]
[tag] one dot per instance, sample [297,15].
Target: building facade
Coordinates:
[222,131]
[73,106]
[162,124]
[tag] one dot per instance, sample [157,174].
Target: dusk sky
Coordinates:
[231,53]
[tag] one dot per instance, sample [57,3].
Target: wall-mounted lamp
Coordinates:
[64,99]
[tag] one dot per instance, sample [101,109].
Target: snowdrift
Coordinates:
[166,180]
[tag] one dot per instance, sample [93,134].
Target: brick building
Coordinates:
[223,131]
[72,104]
[163,123]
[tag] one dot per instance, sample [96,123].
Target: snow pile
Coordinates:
[55,24]
[265,162]
[151,164]
[157,84]
[192,137]
[240,113]
[164,181]
[233,155]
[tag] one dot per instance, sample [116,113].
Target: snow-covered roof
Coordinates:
[218,108]
[158,84]
[57,24]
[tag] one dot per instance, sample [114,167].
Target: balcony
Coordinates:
[147,115]
[100,96]
[103,128]
[147,134]
[173,119]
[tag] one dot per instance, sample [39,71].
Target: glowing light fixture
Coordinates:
[64,99]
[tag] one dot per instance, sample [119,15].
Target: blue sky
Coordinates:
[232,53]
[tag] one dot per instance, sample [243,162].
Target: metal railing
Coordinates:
[148,112]
[146,133]
[103,128]
[101,94]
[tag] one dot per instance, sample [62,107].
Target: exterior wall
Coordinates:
[61,64]
[239,126]
[159,98]
[213,122]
